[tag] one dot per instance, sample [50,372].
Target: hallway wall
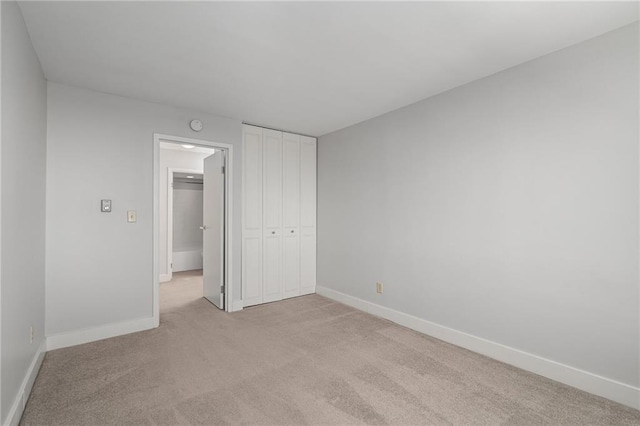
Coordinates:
[99,267]
[22,229]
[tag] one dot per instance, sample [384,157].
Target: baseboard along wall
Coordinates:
[20,401]
[63,340]
[78,337]
[583,380]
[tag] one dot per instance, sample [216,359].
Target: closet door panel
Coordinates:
[291,263]
[291,180]
[291,214]
[308,263]
[308,182]
[272,215]
[272,175]
[307,215]
[252,273]
[272,273]
[252,178]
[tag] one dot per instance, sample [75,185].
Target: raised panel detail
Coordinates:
[252,271]
[272,187]
[272,276]
[291,180]
[252,178]
[291,264]
[307,182]
[308,264]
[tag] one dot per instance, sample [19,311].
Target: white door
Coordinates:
[252,216]
[213,229]
[307,215]
[272,215]
[291,215]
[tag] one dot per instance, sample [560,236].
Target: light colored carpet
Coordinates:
[307,360]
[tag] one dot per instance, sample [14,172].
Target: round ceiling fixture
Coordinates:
[186,146]
[196,125]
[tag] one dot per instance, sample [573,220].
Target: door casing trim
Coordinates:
[228,225]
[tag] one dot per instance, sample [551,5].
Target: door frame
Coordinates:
[228,217]
[170,172]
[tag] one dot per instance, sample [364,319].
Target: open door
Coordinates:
[213,228]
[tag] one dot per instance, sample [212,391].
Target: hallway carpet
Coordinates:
[307,360]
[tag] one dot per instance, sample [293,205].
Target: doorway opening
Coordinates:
[183,282]
[192,231]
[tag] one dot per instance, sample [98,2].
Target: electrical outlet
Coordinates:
[31,333]
[379,287]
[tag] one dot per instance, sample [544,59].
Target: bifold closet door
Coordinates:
[252,274]
[307,215]
[279,215]
[272,215]
[291,214]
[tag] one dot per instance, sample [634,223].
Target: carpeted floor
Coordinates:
[307,360]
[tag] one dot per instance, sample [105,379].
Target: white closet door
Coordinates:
[291,214]
[307,215]
[272,215]
[252,273]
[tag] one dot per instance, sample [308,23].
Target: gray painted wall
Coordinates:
[24,101]
[187,216]
[99,267]
[506,208]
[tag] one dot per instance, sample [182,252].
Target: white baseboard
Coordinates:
[73,338]
[584,380]
[17,408]
[165,278]
[237,305]
[187,260]
[307,290]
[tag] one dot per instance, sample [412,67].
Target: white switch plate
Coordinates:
[105,206]
[379,287]
[132,216]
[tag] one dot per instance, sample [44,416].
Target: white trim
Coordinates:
[238,305]
[20,401]
[584,380]
[155,290]
[228,282]
[1,410]
[73,338]
[169,248]
[170,172]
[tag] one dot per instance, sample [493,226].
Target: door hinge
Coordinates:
[171,265]
[222,289]
[222,169]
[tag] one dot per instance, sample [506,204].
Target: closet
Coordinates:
[279,215]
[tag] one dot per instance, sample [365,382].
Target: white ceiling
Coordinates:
[306,67]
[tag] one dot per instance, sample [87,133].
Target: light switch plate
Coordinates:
[132,216]
[105,206]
